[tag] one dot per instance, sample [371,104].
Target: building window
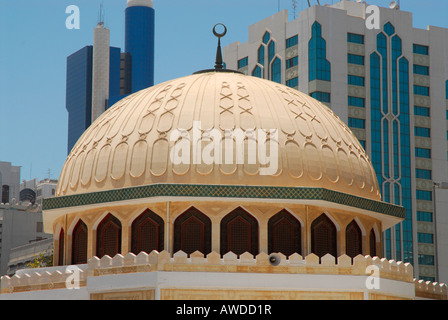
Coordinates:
[372,243]
[389,29]
[260,55]
[355,59]
[422,111]
[323,237]
[357,102]
[353,240]
[108,237]
[292,62]
[363,144]
[355,38]
[423,174]
[257,72]
[193,232]
[424,195]
[422,70]
[5,193]
[420,49]
[421,90]
[424,216]
[293,83]
[423,153]
[61,248]
[284,234]
[356,80]
[321,96]
[239,233]
[425,237]
[276,70]
[266,37]
[271,51]
[243,62]
[79,243]
[426,259]
[422,132]
[319,66]
[291,42]
[356,123]
[147,233]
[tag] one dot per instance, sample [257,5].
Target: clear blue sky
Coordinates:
[34,45]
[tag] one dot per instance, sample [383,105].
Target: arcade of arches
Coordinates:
[215,226]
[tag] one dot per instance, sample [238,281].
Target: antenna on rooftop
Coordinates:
[294,7]
[101,14]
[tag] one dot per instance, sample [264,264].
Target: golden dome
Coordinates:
[129,144]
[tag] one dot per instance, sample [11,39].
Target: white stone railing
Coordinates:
[42,279]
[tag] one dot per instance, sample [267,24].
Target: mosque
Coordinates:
[131,222]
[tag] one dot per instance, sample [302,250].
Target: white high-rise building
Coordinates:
[389,82]
[101,69]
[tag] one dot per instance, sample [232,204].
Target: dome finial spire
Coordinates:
[218,62]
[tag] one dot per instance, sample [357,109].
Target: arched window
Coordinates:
[239,233]
[323,236]
[147,233]
[353,240]
[276,70]
[108,237]
[257,72]
[372,243]
[79,243]
[284,234]
[193,232]
[61,248]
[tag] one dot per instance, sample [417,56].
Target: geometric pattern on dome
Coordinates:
[128,145]
[223,191]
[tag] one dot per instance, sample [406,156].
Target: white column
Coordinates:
[101,66]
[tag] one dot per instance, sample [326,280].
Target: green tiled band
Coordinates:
[223,191]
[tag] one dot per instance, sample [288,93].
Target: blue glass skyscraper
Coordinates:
[139,42]
[79,89]
[79,93]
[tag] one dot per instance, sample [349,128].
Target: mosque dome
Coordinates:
[133,143]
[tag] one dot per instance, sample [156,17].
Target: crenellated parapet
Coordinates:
[430,290]
[365,266]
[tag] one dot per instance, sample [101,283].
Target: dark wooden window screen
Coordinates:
[323,236]
[193,232]
[147,233]
[239,233]
[108,237]
[353,240]
[79,243]
[284,234]
[61,248]
[372,244]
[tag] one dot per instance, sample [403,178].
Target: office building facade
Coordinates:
[389,84]
[93,85]
[79,89]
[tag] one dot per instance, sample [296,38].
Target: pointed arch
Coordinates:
[323,236]
[108,237]
[353,239]
[147,233]
[79,243]
[372,243]
[192,232]
[61,247]
[239,233]
[284,234]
